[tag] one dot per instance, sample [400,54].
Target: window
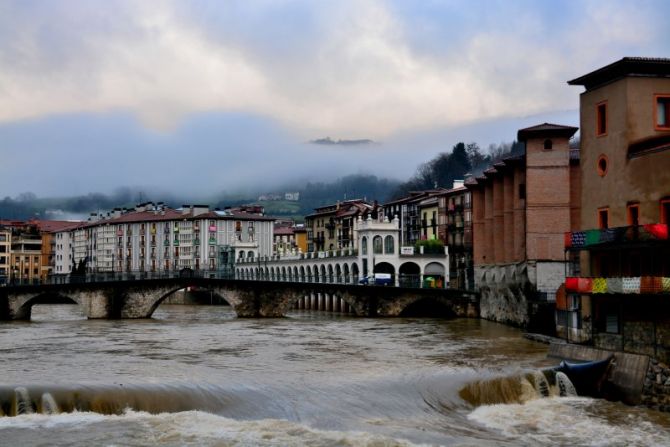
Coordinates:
[522,191]
[548,144]
[602,165]
[633,214]
[601,118]
[377,245]
[665,211]
[662,112]
[389,245]
[364,245]
[603,217]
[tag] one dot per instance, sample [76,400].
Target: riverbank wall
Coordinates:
[520,294]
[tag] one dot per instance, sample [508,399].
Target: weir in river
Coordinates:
[196,375]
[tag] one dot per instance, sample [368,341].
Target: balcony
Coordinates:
[619,236]
[196,241]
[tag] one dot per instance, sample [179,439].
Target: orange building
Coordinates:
[620,279]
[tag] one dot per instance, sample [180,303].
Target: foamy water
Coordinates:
[195,376]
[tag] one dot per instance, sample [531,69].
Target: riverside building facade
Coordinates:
[617,291]
[522,206]
[155,238]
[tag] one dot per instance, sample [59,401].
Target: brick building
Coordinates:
[521,208]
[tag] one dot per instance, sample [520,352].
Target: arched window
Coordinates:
[548,144]
[250,255]
[389,246]
[364,245]
[377,245]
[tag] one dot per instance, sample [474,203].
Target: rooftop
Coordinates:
[546,130]
[628,66]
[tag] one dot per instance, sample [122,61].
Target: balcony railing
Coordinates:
[580,240]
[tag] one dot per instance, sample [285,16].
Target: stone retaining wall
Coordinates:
[656,389]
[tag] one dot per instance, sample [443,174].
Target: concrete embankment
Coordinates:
[626,378]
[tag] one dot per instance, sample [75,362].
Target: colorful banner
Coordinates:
[645,285]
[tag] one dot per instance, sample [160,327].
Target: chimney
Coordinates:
[200,209]
[459,183]
[185,209]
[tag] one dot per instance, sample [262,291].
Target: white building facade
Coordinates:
[154,238]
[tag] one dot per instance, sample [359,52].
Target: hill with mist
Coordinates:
[441,171]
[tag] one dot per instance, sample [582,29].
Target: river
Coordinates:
[196,375]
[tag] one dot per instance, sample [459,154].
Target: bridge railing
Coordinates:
[403,280]
[98,277]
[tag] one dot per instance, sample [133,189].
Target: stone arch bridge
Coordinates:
[140,298]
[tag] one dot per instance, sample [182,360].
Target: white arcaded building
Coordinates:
[379,252]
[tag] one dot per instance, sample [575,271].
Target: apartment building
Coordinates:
[334,227]
[26,255]
[410,212]
[618,285]
[5,254]
[153,238]
[455,230]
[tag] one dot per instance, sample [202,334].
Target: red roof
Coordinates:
[54,226]
[283,231]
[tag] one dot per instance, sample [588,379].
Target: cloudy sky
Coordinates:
[205,96]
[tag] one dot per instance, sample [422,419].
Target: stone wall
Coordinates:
[639,337]
[656,390]
[508,294]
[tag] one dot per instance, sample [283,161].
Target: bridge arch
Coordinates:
[330,273]
[296,278]
[22,309]
[322,273]
[338,273]
[302,273]
[429,307]
[345,271]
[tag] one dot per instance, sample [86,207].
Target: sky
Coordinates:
[202,97]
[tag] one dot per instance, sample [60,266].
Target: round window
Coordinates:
[602,165]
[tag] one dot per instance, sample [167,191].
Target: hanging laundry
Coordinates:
[571,284]
[631,285]
[659,231]
[666,284]
[651,284]
[585,285]
[614,285]
[599,285]
[592,237]
[567,240]
[578,239]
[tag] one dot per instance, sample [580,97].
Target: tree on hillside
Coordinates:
[449,166]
